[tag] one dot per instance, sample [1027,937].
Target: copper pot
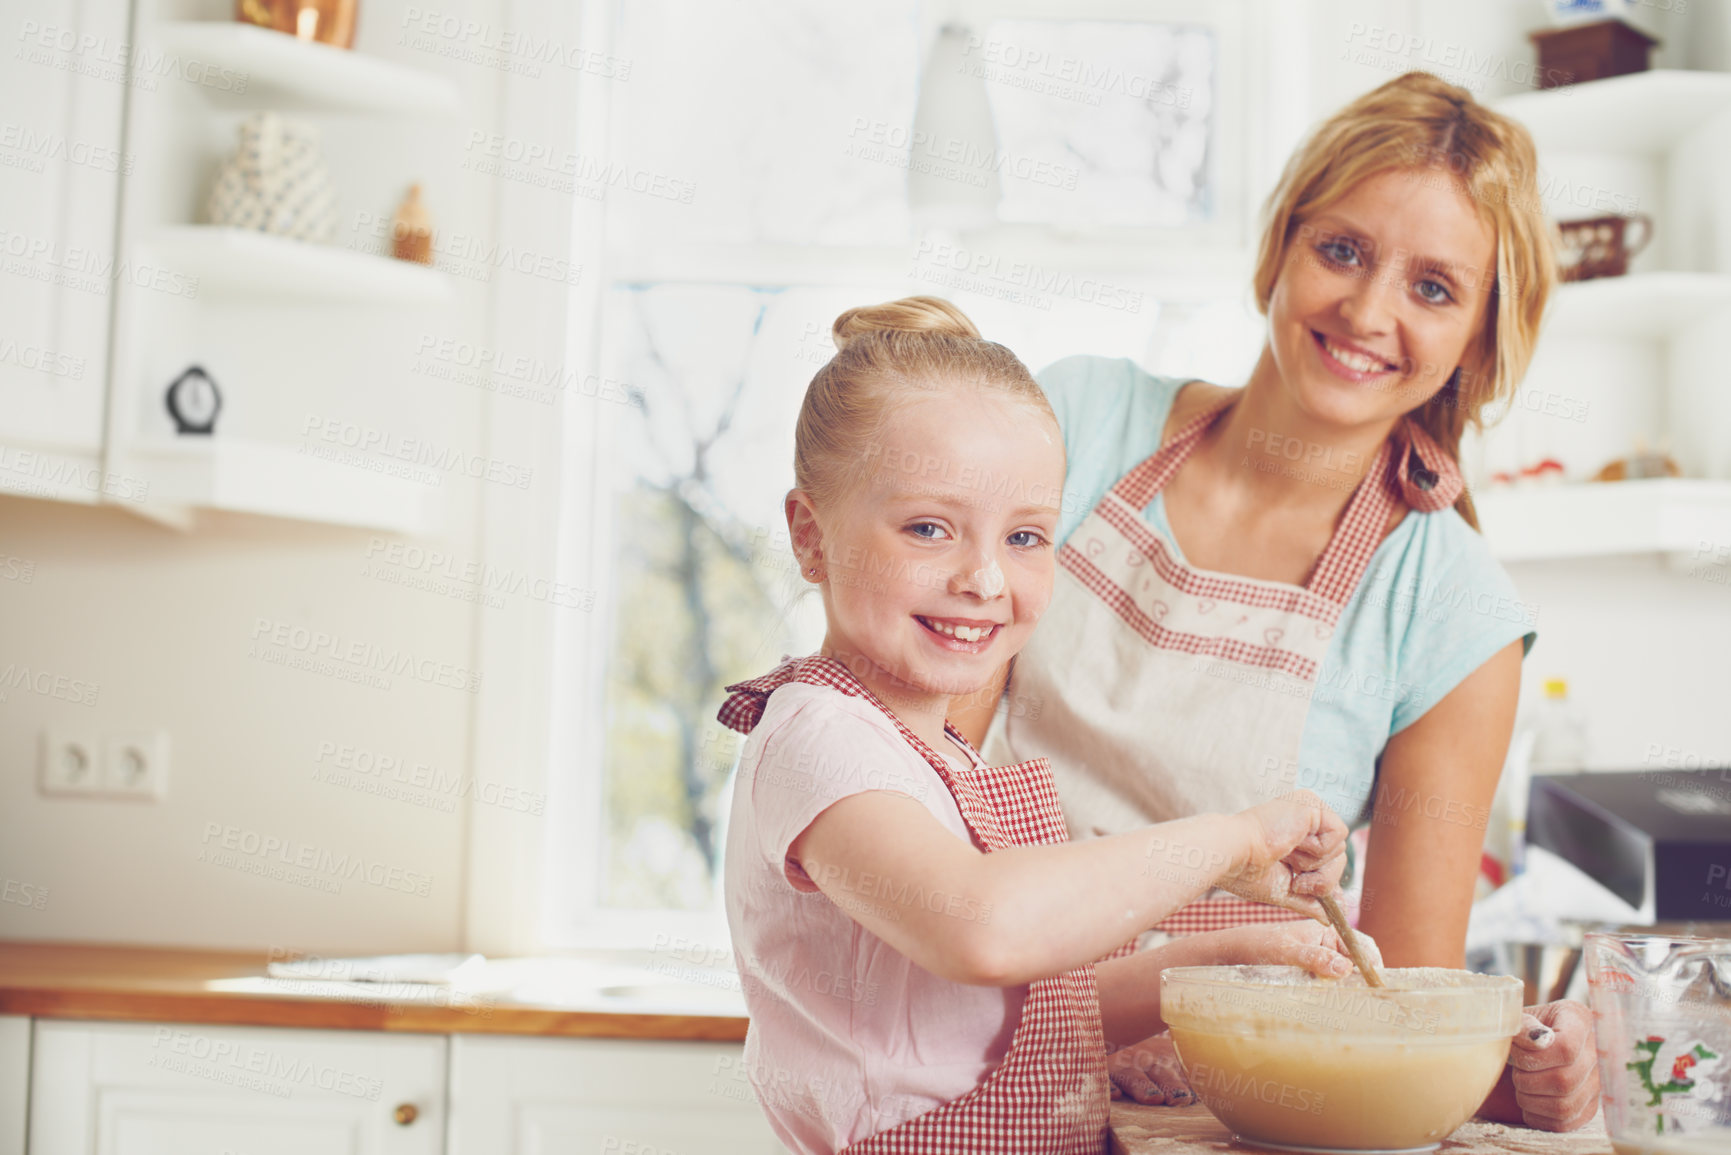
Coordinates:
[327,21]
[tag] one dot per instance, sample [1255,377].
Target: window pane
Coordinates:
[1120,116]
[706,589]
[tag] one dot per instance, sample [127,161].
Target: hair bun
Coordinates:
[908,315]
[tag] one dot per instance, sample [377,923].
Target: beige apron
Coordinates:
[1157,690]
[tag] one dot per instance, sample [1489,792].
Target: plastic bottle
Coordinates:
[1506,832]
[1550,738]
[1559,732]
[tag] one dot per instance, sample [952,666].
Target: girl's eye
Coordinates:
[1026,539]
[930,530]
[1339,251]
[1434,292]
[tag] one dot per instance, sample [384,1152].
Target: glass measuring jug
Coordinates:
[1662,1016]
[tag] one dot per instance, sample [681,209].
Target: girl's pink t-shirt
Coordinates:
[848,1037]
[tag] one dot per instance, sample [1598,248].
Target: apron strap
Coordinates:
[1410,469]
[1138,487]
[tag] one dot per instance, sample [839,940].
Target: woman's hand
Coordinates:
[1554,1067]
[1296,849]
[1149,1072]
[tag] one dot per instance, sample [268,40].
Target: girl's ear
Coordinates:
[805,534]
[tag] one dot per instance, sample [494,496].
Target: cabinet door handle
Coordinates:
[405,1114]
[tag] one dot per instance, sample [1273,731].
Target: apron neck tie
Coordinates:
[743,709]
[1424,476]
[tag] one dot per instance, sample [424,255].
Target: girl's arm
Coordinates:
[1024,912]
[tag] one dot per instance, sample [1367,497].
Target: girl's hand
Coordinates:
[1310,945]
[1295,849]
[1556,1075]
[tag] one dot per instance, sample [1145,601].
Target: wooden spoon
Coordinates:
[1337,918]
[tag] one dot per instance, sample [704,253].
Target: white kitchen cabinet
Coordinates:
[525,1096]
[63,88]
[14,1081]
[192,1089]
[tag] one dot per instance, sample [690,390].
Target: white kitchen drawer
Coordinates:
[517,1096]
[190,1089]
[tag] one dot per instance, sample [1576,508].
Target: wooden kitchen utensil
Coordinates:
[1337,918]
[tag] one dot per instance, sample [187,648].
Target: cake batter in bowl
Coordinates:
[1299,1063]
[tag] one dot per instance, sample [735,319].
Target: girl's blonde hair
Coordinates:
[1421,123]
[882,351]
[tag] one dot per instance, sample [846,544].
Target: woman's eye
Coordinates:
[1026,539]
[1339,252]
[1434,292]
[930,530]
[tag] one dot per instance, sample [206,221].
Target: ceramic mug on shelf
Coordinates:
[1600,246]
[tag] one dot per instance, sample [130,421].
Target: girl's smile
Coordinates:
[963,635]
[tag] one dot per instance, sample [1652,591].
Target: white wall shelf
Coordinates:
[1643,112]
[1639,305]
[280,68]
[1596,519]
[243,262]
[280,481]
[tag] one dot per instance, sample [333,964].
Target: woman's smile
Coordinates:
[1353,362]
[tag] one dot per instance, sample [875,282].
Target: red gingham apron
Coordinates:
[1049,1094]
[1165,690]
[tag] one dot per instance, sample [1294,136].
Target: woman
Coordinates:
[1281,586]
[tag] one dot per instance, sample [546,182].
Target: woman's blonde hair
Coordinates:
[883,351]
[1419,122]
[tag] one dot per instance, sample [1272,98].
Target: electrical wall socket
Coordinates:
[71,762]
[135,765]
[83,764]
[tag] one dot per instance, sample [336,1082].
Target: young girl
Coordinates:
[916,939]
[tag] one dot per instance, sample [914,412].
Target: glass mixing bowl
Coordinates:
[1300,1063]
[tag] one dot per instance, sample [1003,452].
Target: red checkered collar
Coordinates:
[745,703]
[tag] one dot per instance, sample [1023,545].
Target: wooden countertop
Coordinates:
[147,984]
[1139,1130]
[143,984]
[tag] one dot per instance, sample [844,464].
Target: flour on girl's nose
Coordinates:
[990,580]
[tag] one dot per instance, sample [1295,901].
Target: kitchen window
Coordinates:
[765,190]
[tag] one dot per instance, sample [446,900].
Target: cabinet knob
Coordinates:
[405,1114]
